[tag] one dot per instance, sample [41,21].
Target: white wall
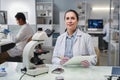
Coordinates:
[14,6]
[101,9]
[100,14]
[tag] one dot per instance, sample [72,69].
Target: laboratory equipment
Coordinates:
[3,25]
[95,24]
[31,62]
[2,72]
[3,17]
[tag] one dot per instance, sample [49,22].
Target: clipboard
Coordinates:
[77,59]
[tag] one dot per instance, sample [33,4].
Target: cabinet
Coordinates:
[84,10]
[114,45]
[44,17]
[44,11]
[97,39]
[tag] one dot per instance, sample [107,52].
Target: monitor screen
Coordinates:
[3,17]
[95,23]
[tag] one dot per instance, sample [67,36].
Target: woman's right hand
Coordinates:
[85,63]
[63,60]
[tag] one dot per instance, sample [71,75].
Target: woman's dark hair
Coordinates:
[70,10]
[19,16]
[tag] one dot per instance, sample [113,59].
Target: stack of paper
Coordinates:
[77,59]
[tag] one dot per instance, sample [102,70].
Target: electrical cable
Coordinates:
[34,75]
[22,76]
[24,71]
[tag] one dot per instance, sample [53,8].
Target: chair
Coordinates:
[98,56]
[29,39]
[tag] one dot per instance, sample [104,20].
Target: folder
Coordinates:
[77,59]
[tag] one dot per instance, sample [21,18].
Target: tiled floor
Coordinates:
[103,58]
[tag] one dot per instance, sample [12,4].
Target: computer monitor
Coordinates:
[95,24]
[3,17]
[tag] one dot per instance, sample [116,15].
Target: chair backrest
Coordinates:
[29,39]
[98,56]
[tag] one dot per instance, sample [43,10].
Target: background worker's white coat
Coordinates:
[21,40]
[106,32]
[83,45]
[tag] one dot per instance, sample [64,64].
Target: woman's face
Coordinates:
[71,21]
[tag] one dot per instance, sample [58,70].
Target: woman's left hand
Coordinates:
[63,60]
[85,63]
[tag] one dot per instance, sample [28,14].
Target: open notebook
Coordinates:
[77,59]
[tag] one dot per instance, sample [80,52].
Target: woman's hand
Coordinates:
[63,60]
[85,63]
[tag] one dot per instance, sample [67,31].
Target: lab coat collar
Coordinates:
[78,34]
[73,35]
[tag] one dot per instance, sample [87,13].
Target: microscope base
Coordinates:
[37,71]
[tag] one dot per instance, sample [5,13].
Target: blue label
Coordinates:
[2,69]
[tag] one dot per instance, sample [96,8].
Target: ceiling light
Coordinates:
[102,8]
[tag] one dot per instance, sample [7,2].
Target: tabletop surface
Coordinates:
[70,73]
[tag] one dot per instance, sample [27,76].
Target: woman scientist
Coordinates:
[21,39]
[73,42]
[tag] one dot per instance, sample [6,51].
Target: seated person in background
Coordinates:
[21,39]
[73,42]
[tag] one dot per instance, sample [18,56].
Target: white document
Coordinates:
[77,59]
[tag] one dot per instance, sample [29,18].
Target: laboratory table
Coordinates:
[13,70]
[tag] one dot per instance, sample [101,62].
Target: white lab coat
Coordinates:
[83,45]
[106,31]
[21,39]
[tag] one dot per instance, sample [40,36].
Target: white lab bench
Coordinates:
[70,73]
[97,36]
